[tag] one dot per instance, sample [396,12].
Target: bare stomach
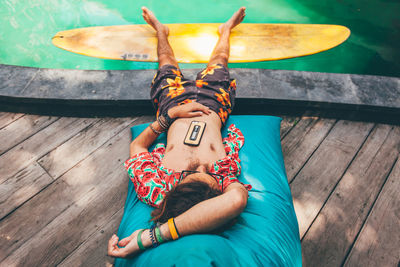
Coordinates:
[179,156]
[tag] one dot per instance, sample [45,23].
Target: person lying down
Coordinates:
[192,182]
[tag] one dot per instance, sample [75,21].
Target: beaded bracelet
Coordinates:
[139,240]
[152,238]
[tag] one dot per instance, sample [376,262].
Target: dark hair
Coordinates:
[183,197]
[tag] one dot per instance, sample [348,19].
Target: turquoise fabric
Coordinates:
[266,233]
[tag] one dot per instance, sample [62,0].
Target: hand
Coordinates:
[129,246]
[188,110]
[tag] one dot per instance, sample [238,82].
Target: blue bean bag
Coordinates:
[266,233]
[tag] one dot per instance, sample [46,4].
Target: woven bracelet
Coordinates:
[163,122]
[154,130]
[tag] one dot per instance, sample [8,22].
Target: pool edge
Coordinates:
[117,93]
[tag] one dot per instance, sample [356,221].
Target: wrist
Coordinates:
[165,232]
[157,126]
[171,113]
[146,238]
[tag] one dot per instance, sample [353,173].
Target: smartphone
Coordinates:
[194,133]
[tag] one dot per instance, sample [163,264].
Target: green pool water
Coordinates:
[26,28]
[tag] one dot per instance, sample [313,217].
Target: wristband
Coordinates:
[176,229]
[139,240]
[158,235]
[172,229]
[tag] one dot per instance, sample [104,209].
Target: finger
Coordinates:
[113,240]
[196,114]
[125,241]
[203,108]
[117,252]
[112,245]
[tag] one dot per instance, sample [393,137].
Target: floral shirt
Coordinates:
[152,181]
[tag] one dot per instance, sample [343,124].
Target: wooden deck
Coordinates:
[62,189]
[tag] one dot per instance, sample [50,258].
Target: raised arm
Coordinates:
[201,218]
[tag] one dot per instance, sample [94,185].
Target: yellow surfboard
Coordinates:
[194,43]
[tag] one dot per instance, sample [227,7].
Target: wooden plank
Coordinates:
[331,235]
[96,201]
[302,141]
[65,156]
[27,220]
[314,183]
[379,241]
[7,117]
[99,185]
[39,144]
[288,122]
[21,187]
[21,129]
[93,252]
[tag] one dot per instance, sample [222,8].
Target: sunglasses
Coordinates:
[217,177]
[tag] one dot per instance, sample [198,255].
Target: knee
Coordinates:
[221,58]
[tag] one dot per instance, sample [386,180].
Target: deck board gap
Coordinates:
[368,213]
[28,136]
[88,155]
[296,121]
[89,237]
[305,163]
[341,176]
[66,140]
[26,201]
[5,114]
[377,152]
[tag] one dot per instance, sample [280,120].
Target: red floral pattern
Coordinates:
[152,181]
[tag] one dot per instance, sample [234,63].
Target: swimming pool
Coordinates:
[26,28]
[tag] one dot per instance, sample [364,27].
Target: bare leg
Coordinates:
[164,50]
[220,55]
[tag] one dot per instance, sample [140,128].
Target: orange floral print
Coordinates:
[177,73]
[158,113]
[186,101]
[200,83]
[223,115]
[173,92]
[223,97]
[152,81]
[233,85]
[175,84]
[155,101]
[210,70]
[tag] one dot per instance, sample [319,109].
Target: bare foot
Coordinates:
[236,19]
[151,19]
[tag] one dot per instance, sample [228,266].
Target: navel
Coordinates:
[212,147]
